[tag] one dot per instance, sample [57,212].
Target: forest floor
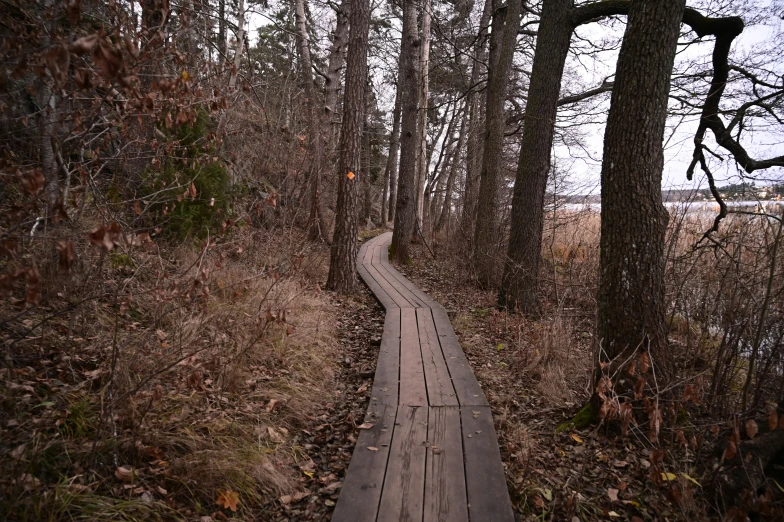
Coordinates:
[207,382]
[536,375]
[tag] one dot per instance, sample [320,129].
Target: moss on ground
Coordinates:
[585,417]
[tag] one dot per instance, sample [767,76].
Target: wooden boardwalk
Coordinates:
[432,453]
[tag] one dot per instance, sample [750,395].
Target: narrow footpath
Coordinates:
[430,451]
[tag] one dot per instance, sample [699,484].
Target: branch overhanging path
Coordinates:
[431,451]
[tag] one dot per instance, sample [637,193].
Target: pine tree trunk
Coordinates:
[631,303]
[408,86]
[486,231]
[343,255]
[521,271]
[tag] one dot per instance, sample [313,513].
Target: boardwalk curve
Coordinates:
[432,452]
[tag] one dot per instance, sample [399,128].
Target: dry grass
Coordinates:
[193,367]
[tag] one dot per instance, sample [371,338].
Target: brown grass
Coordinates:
[222,353]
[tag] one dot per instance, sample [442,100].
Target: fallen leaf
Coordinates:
[687,477]
[613,494]
[613,514]
[773,420]
[271,405]
[751,428]
[372,448]
[577,438]
[365,426]
[668,476]
[124,473]
[229,499]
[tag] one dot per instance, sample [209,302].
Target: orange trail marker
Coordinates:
[350,175]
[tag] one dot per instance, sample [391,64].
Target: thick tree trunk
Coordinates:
[343,255]
[521,270]
[423,159]
[486,231]
[475,125]
[390,172]
[631,305]
[315,221]
[408,86]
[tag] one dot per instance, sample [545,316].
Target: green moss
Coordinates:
[585,417]
[117,260]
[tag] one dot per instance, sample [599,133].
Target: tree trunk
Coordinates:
[315,221]
[446,208]
[521,270]
[476,123]
[390,173]
[221,31]
[343,255]
[335,62]
[486,231]
[408,87]
[631,305]
[423,159]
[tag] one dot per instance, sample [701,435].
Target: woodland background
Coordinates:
[184,185]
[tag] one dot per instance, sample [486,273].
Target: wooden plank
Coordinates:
[412,375]
[422,296]
[391,285]
[380,262]
[385,383]
[445,490]
[361,492]
[440,391]
[488,497]
[468,391]
[379,293]
[404,483]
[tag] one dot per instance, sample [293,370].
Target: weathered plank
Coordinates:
[488,498]
[440,391]
[382,281]
[379,272]
[361,492]
[386,380]
[412,375]
[445,487]
[466,386]
[385,240]
[380,262]
[404,484]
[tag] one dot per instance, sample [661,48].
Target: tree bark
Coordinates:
[631,304]
[315,221]
[221,31]
[446,208]
[423,159]
[408,86]
[521,269]
[390,172]
[476,123]
[343,255]
[486,231]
